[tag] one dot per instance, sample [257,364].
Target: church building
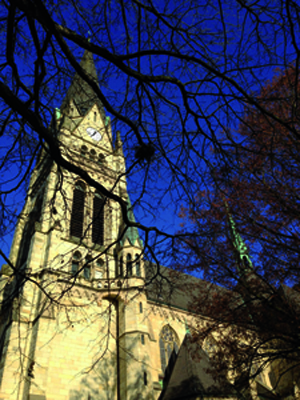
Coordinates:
[84,324]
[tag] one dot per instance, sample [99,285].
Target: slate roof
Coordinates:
[193,376]
[80,91]
[177,289]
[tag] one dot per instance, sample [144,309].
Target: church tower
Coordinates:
[73,291]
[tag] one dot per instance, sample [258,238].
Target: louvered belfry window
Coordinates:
[98,220]
[78,210]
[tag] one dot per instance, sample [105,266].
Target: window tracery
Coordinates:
[168,345]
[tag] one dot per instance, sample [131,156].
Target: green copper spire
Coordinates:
[244,260]
[187,329]
[131,233]
[80,91]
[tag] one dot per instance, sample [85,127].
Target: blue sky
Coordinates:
[246,52]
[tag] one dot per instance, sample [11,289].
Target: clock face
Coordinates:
[94,134]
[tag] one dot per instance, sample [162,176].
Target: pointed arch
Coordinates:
[168,346]
[77,215]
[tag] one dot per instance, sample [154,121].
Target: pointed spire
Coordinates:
[80,91]
[244,260]
[132,233]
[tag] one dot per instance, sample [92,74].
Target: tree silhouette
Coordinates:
[245,238]
[184,83]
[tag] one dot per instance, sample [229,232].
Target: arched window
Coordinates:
[168,345]
[98,220]
[92,154]
[129,265]
[101,158]
[121,270]
[75,262]
[141,308]
[87,268]
[142,338]
[95,116]
[99,269]
[137,265]
[83,150]
[145,379]
[76,228]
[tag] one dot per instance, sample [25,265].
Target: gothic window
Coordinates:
[87,268]
[99,269]
[142,339]
[87,273]
[98,220]
[137,265]
[77,215]
[168,345]
[95,116]
[129,265]
[121,272]
[141,308]
[75,263]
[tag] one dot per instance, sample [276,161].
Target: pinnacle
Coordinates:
[80,91]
